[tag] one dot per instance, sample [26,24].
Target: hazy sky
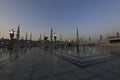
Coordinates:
[92,17]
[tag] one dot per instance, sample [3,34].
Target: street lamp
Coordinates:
[12,32]
[55,37]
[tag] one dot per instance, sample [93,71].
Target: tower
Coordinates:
[26,36]
[77,37]
[101,38]
[44,35]
[51,35]
[89,39]
[60,37]
[117,33]
[77,43]
[30,36]
[18,33]
[40,37]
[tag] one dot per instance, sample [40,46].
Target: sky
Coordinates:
[92,17]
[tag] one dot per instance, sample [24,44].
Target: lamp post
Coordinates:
[12,32]
[55,37]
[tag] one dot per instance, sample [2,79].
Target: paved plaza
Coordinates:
[41,64]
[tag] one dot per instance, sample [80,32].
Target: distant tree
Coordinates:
[45,38]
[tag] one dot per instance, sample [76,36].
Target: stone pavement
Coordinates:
[39,64]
